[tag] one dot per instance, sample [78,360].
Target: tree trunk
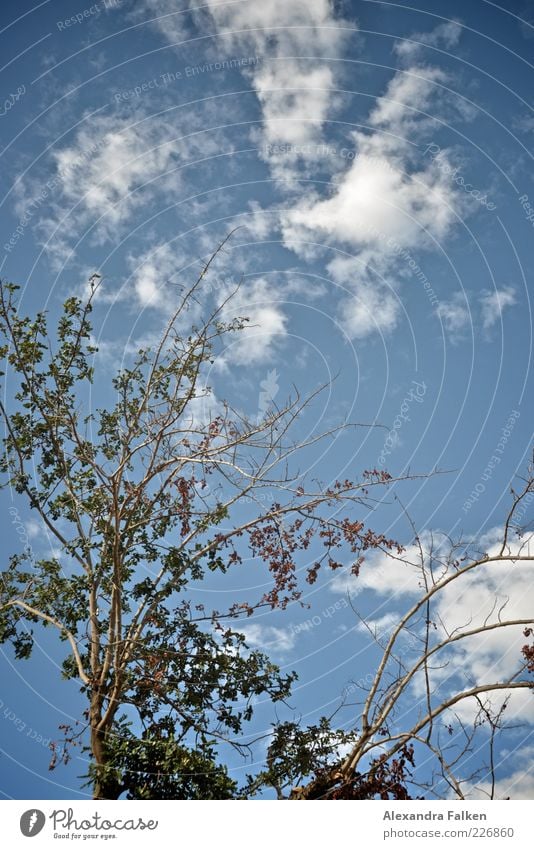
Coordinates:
[105,783]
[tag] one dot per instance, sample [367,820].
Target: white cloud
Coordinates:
[258,300]
[203,408]
[385,575]
[385,201]
[377,208]
[154,282]
[257,222]
[113,168]
[374,201]
[108,160]
[381,628]
[296,95]
[406,92]
[380,196]
[369,303]
[379,205]
[296,92]
[168,19]
[525,123]
[277,27]
[445,35]
[493,304]
[455,315]
[369,309]
[152,272]
[268,637]
[295,100]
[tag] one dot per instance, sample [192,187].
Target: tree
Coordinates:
[459,710]
[141,499]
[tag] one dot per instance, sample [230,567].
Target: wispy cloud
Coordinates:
[154,272]
[259,301]
[455,316]
[269,637]
[114,166]
[493,304]
[444,36]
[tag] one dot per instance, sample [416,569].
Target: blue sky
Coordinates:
[376,160]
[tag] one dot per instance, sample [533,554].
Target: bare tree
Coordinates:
[411,728]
